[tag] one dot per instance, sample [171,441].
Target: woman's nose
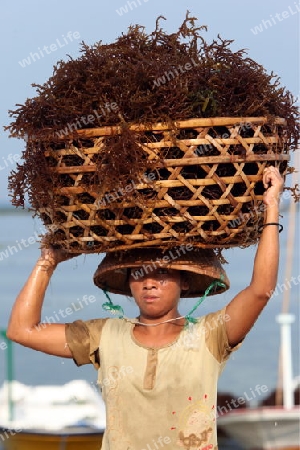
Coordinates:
[149,282]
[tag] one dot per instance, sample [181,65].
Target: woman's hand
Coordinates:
[51,256]
[273,183]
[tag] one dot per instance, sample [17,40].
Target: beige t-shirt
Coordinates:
[156,398]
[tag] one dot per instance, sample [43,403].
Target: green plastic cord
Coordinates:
[189,319]
[113,309]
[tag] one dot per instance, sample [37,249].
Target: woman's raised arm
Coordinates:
[25,325]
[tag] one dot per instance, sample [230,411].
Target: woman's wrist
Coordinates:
[272,204]
[272,213]
[272,224]
[45,262]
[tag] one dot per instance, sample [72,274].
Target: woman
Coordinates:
[158,376]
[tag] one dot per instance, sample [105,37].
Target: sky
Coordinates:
[268,29]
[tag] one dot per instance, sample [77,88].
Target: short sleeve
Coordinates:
[216,336]
[83,338]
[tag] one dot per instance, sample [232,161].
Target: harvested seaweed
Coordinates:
[139,79]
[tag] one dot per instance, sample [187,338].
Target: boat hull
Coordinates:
[32,440]
[263,428]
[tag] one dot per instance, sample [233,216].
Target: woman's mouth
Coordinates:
[150,298]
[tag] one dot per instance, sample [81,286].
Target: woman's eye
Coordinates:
[137,274]
[162,271]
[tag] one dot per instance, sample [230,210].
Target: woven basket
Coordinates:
[207,190]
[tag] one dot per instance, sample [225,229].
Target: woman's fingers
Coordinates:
[54,255]
[273,183]
[272,175]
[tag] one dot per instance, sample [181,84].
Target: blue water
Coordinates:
[255,363]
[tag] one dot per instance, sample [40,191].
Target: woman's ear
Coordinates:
[184,282]
[185,286]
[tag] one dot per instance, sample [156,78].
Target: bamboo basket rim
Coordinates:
[108,130]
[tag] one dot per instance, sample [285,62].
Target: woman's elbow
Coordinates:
[263,295]
[17,334]
[13,334]
[12,337]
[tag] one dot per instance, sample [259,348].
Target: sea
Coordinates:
[255,363]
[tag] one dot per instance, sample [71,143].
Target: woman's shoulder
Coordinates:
[116,325]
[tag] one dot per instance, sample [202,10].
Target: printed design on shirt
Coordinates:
[114,404]
[196,425]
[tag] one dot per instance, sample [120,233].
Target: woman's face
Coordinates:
[158,292]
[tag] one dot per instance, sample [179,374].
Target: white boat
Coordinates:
[69,416]
[267,428]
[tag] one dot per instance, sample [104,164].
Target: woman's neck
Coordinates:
[168,324]
[152,323]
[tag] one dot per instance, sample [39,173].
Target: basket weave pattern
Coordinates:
[206,188]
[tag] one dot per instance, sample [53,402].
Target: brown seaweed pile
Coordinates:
[139,78]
